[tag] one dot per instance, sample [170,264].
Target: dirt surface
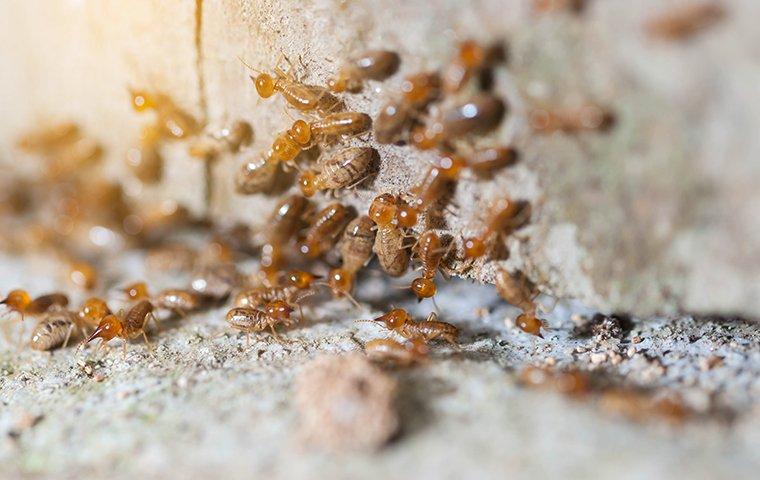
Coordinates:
[203,403]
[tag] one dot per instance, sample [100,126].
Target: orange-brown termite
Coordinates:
[299,95]
[252,320]
[399,321]
[430,251]
[479,114]
[53,330]
[470,60]
[131,325]
[50,137]
[505,215]
[303,135]
[83,275]
[215,281]
[396,116]
[393,249]
[571,382]
[389,351]
[258,175]
[587,117]
[346,168]
[227,140]
[175,300]
[21,302]
[324,231]
[356,251]
[485,161]
[370,65]
[286,219]
[516,289]
[172,120]
[550,6]
[436,182]
[686,21]
[145,160]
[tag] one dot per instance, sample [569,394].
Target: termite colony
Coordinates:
[313,242]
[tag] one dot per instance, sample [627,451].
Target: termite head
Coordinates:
[137,291]
[108,328]
[339,83]
[94,309]
[406,215]
[141,100]
[17,300]
[311,249]
[471,54]
[307,183]
[264,84]
[285,149]
[425,137]
[394,319]
[300,279]
[278,309]
[300,132]
[383,209]
[423,287]
[474,247]
[450,165]
[529,323]
[340,281]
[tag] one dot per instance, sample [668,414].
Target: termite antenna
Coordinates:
[249,67]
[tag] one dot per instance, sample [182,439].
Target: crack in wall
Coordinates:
[202,99]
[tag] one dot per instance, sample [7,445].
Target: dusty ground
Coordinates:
[204,404]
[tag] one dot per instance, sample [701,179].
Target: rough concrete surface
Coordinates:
[204,404]
[659,214]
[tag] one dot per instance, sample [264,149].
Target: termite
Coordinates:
[371,65]
[53,330]
[230,139]
[470,60]
[516,289]
[572,382]
[506,214]
[571,120]
[129,326]
[392,247]
[251,320]
[348,167]
[175,300]
[257,176]
[356,251]
[485,161]
[286,219]
[685,22]
[145,161]
[436,182]
[325,229]
[430,251]
[21,302]
[302,135]
[83,275]
[396,116]
[387,350]
[550,6]
[48,138]
[399,321]
[481,113]
[174,122]
[301,96]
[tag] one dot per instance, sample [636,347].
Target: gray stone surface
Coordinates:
[204,404]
